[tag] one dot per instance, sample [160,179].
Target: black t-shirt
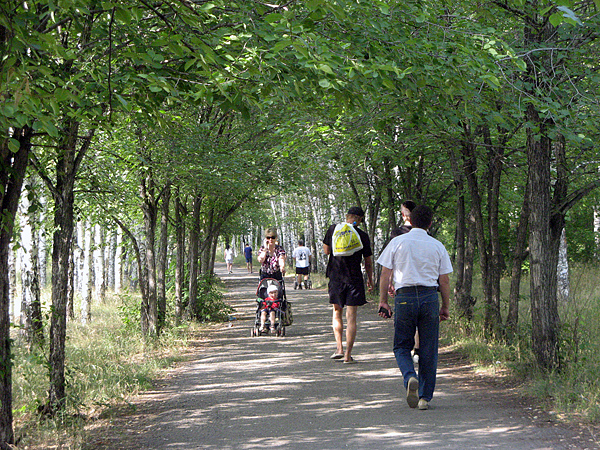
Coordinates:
[347,268]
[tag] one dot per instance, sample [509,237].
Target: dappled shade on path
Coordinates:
[242,392]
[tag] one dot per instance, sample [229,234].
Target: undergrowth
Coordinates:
[107,360]
[572,392]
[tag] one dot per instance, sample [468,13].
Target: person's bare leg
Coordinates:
[263,319]
[272,318]
[338,328]
[351,313]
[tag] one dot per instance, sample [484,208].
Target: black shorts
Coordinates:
[351,294]
[302,270]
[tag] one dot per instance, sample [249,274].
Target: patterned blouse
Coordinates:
[271,263]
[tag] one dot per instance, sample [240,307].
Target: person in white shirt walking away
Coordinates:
[419,265]
[302,255]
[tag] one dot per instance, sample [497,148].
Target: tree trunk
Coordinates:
[138,259]
[463,262]
[180,214]
[43,245]
[464,297]
[192,306]
[99,263]
[519,254]
[544,311]
[492,318]
[563,271]
[31,308]
[149,304]
[12,173]
[496,260]
[71,288]
[119,255]
[161,272]
[67,165]
[87,276]
[111,260]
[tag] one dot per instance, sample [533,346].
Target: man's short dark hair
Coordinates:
[300,241]
[421,216]
[356,211]
[409,204]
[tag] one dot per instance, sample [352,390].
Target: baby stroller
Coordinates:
[283,313]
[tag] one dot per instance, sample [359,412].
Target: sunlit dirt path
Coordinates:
[241,392]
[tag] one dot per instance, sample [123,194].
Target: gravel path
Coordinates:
[245,393]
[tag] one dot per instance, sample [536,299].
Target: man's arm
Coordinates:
[326,249]
[444,281]
[384,282]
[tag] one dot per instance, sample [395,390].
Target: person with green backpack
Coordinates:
[347,246]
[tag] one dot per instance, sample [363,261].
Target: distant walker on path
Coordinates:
[248,256]
[301,255]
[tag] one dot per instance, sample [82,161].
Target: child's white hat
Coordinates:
[272,288]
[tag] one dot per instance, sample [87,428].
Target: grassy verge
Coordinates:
[571,393]
[107,361]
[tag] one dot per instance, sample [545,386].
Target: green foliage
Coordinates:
[129,310]
[211,307]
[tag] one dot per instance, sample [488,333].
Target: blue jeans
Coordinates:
[417,310]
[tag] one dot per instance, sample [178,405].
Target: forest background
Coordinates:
[138,138]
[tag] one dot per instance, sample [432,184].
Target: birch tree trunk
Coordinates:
[14,306]
[86,276]
[562,273]
[31,307]
[43,245]
[99,263]
[111,260]
[118,261]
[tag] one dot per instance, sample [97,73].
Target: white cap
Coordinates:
[272,288]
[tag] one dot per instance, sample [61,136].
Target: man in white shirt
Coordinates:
[301,255]
[419,265]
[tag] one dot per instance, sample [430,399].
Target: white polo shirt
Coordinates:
[416,259]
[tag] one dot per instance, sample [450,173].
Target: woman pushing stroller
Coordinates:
[271,257]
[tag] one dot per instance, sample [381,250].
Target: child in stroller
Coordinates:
[271,308]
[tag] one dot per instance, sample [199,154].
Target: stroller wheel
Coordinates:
[282,331]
